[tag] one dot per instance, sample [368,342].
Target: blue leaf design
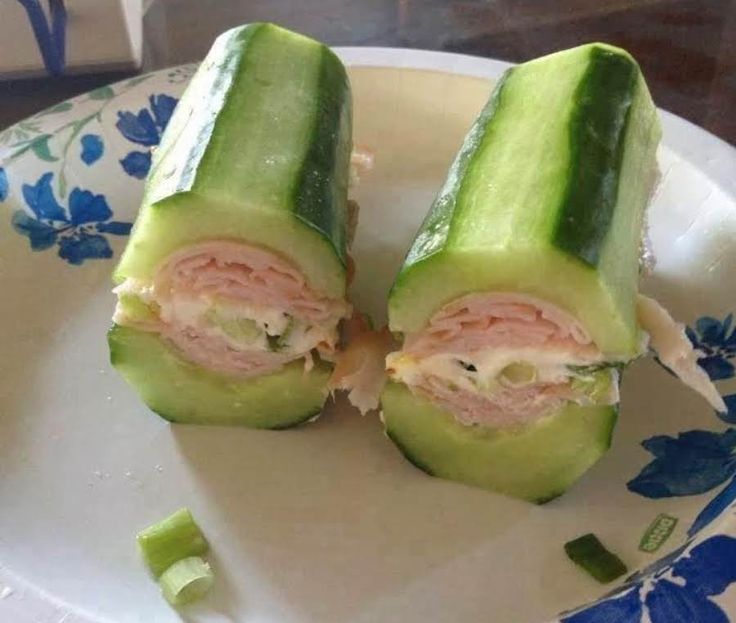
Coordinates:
[139,128]
[86,207]
[40,199]
[3,184]
[75,249]
[710,567]
[162,106]
[730,415]
[116,228]
[706,571]
[41,235]
[75,234]
[622,608]
[714,508]
[694,462]
[92,148]
[716,367]
[717,341]
[669,602]
[730,342]
[137,164]
[712,331]
[692,336]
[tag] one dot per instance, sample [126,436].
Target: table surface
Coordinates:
[687,48]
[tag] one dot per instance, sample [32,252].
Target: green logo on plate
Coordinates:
[657,533]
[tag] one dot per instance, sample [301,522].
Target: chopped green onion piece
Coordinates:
[590,554]
[241,329]
[186,581]
[171,539]
[519,373]
[137,310]
[597,386]
[285,334]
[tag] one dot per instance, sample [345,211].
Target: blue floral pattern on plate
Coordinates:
[696,461]
[92,148]
[3,184]
[78,231]
[715,508]
[144,128]
[680,591]
[716,339]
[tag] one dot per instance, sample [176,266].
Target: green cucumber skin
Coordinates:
[513,203]
[320,197]
[263,134]
[408,454]
[434,233]
[596,132]
[536,463]
[182,392]
[317,192]
[597,136]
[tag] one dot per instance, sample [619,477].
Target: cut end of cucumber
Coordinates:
[537,462]
[180,391]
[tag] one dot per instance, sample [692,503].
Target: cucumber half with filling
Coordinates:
[431,439]
[517,300]
[233,283]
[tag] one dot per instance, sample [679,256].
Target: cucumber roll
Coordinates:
[518,298]
[233,283]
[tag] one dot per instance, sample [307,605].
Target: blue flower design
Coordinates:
[681,591]
[137,164]
[717,340]
[714,508]
[145,128]
[77,231]
[3,185]
[730,415]
[694,462]
[697,460]
[92,148]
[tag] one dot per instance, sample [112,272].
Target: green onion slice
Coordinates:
[590,554]
[171,539]
[185,581]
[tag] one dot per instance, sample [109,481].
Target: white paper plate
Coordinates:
[327,523]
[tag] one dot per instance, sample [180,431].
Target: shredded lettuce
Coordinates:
[240,329]
[137,310]
[596,387]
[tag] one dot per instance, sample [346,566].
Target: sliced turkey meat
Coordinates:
[233,308]
[668,339]
[503,359]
